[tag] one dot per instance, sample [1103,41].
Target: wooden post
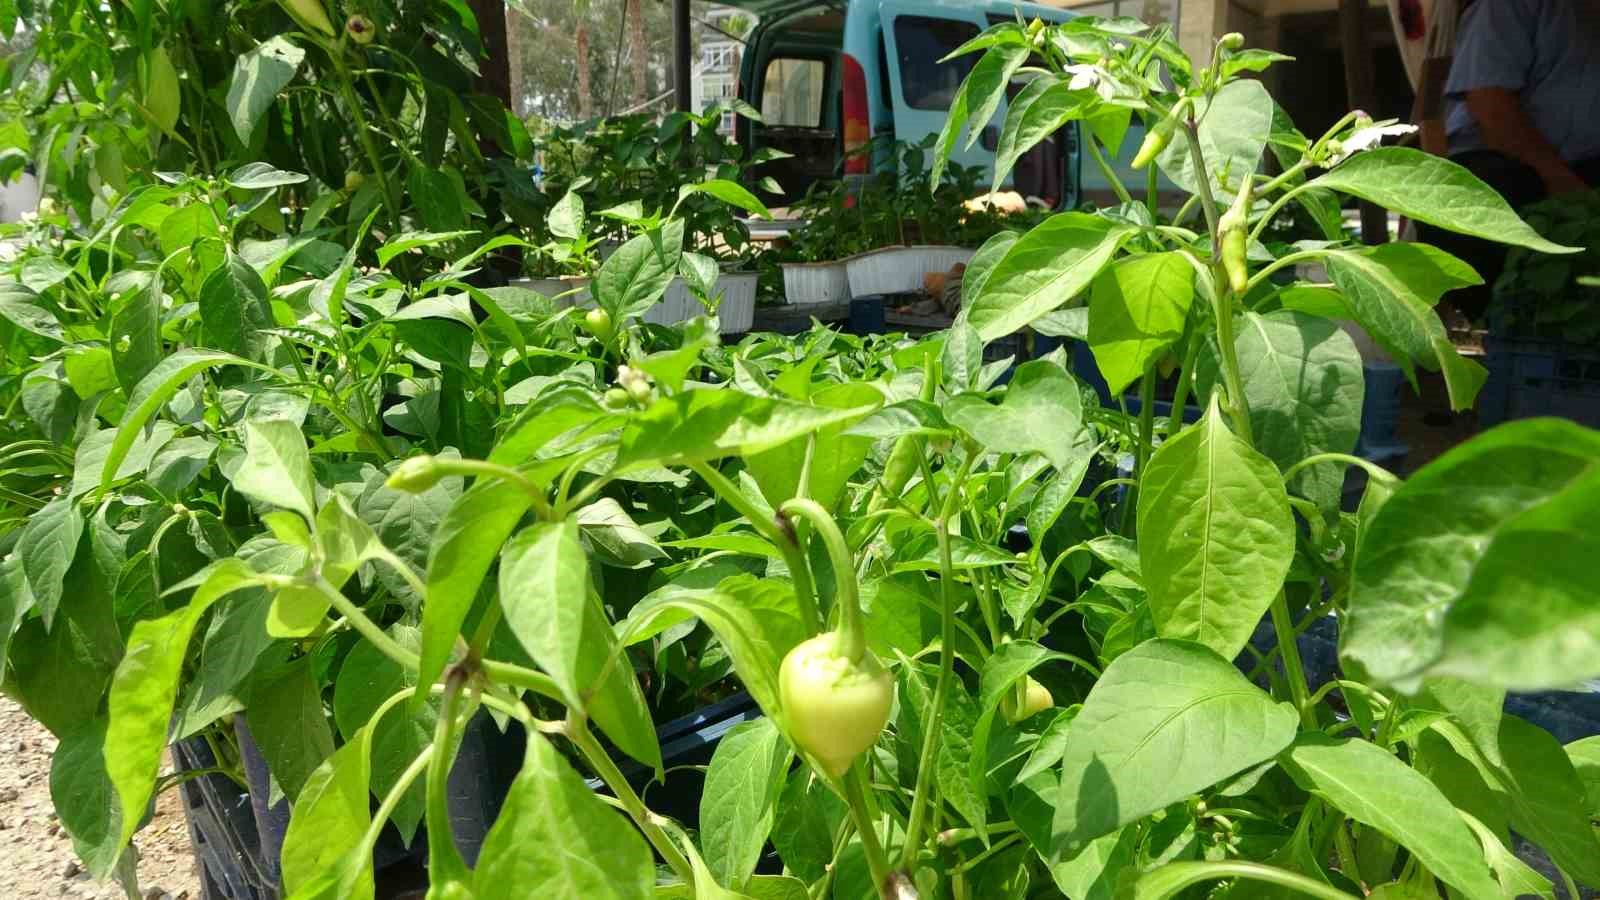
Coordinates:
[681,55]
[1358,84]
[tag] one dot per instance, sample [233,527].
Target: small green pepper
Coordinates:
[836,708]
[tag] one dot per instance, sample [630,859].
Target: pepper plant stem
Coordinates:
[855,798]
[444,857]
[578,732]
[846,597]
[764,526]
[1283,626]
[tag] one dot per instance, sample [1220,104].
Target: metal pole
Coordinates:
[680,54]
[1358,83]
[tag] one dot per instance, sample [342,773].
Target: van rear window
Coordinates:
[920,43]
[791,92]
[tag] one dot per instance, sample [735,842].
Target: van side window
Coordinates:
[791,92]
[920,43]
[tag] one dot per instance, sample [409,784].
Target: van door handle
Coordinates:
[990,139]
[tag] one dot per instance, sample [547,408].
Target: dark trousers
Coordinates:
[1521,186]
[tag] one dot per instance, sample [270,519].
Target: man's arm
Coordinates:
[1506,127]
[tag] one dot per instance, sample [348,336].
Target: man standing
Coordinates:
[1523,111]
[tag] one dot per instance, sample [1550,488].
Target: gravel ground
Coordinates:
[36,858]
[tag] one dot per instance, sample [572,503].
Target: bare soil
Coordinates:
[36,857]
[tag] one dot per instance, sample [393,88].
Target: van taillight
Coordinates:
[857,118]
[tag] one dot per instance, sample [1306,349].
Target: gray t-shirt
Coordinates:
[1548,51]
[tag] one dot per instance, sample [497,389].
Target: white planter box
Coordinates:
[899,270]
[820,282]
[736,314]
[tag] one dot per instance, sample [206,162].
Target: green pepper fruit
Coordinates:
[415,475]
[354,179]
[901,465]
[310,14]
[616,398]
[598,323]
[1156,141]
[360,29]
[1234,227]
[1233,40]
[1036,699]
[836,709]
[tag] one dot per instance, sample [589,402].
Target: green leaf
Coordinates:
[154,390]
[134,334]
[1362,780]
[16,598]
[25,309]
[739,802]
[976,101]
[1038,111]
[1041,412]
[467,542]
[1392,290]
[234,312]
[1539,791]
[1216,535]
[1585,756]
[406,523]
[808,817]
[1174,877]
[367,679]
[84,798]
[60,675]
[146,685]
[1044,269]
[633,278]
[413,240]
[1431,189]
[1304,384]
[1517,878]
[46,548]
[1137,310]
[1234,130]
[276,467]
[289,725]
[566,218]
[731,193]
[706,424]
[259,176]
[326,838]
[1435,567]
[982,264]
[837,457]
[545,595]
[1000,674]
[1167,719]
[258,76]
[90,371]
[438,197]
[555,839]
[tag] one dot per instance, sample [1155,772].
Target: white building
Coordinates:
[716,69]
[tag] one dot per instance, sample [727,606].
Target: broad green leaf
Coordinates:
[633,278]
[1044,269]
[1041,412]
[1092,874]
[134,333]
[982,265]
[415,240]
[834,462]
[545,596]
[439,197]
[1038,111]
[84,798]
[60,675]
[976,101]
[1436,568]
[808,817]
[548,417]
[90,371]
[953,762]
[276,467]
[1392,290]
[1173,878]
[1428,188]
[258,76]
[566,218]
[1166,720]
[1585,756]
[234,311]
[1137,310]
[16,598]
[367,679]
[1052,499]
[146,685]
[1234,131]
[1363,780]
[757,621]
[739,802]
[706,424]
[25,309]
[286,719]
[731,193]
[154,390]
[406,523]
[259,176]
[467,542]
[89,461]
[41,273]
[555,839]
[328,825]
[46,548]
[1215,535]
[1517,878]
[1539,791]
[1477,708]
[1303,382]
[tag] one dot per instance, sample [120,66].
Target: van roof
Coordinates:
[769,8]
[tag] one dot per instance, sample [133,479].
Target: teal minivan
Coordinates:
[829,76]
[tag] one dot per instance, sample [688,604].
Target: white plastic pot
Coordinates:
[736,314]
[899,270]
[819,282]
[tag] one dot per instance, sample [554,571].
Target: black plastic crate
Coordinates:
[1529,378]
